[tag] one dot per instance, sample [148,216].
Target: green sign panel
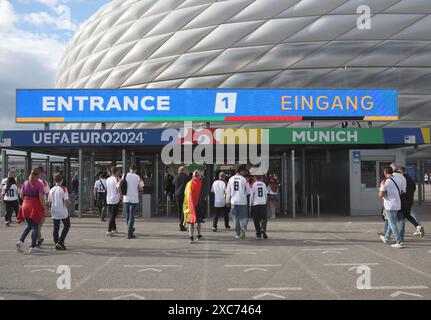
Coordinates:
[326,136]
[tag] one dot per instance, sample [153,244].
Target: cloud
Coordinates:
[62,21]
[27,60]
[62,18]
[8,17]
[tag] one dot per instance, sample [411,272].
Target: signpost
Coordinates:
[175,105]
[155,137]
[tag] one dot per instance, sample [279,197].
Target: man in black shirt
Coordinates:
[180,182]
[410,195]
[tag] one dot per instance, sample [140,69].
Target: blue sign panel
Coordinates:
[80,138]
[171,105]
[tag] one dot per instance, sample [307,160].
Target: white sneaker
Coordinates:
[19,246]
[109,233]
[115,231]
[397,245]
[421,231]
[417,233]
[237,237]
[33,250]
[384,240]
[242,233]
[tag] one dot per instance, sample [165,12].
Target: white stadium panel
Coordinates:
[254,43]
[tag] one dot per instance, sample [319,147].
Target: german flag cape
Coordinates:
[192,194]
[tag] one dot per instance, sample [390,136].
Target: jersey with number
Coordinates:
[100,185]
[259,193]
[10,194]
[237,190]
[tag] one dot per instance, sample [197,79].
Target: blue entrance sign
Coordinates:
[171,105]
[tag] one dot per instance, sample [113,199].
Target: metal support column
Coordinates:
[283,190]
[124,164]
[303,182]
[92,175]
[48,169]
[208,177]
[4,162]
[133,159]
[67,172]
[420,177]
[293,184]
[27,168]
[81,182]
[156,180]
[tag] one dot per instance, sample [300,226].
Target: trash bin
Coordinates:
[146,205]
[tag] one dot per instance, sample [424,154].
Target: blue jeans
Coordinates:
[415,216]
[393,225]
[240,217]
[31,226]
[402,227]
[130,209]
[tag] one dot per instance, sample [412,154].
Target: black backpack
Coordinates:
[123,185]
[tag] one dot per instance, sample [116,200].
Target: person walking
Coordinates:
[409,198]
[273,196]
[46,189]
[134,184]
[236,195]
[33,209]
[100,191]
[10,174]
[402,185]
[390,193]
[220,209]
[258,207]
[10,193]
[194,205]
[112,200]
[58,198]
[180,181]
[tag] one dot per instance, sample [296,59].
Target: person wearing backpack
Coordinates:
[130,185]
[10,194]
[100,195]
[390,192]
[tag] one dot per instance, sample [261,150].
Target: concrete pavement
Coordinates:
[327,258]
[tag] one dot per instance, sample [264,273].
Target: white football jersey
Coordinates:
[237,190]
[259,193]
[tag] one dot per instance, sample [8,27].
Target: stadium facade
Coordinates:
[256,44]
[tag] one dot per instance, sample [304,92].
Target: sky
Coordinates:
[33,35]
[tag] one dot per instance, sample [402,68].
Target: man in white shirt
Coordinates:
[220,209]
[402,185]
[10,194]
[58,197]
[131,198]
[100,195]
[236,194]
[258,207]
[390,194]
[10,174]
[113,200]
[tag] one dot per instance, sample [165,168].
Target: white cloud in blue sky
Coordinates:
[33,35]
